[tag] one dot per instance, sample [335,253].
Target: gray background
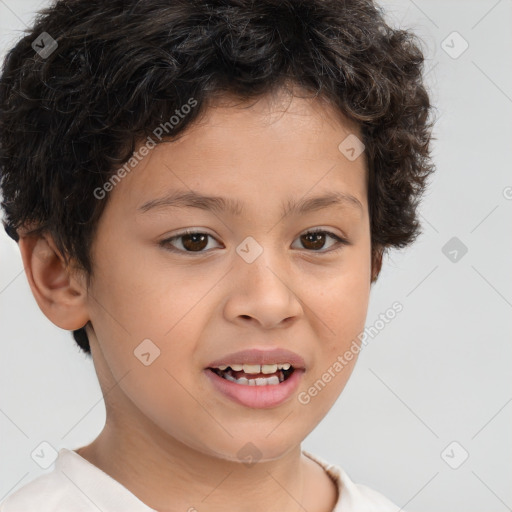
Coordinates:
[438,373]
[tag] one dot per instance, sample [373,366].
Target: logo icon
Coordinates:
[454,250]
[44,45]
[249,454]
[146,352]
[454,455]
[249,249]
[454,45]
[44,455]
[352,147]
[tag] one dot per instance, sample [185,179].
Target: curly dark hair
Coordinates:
[68,120]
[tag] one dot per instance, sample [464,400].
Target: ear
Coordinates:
[376,263]
[60,294]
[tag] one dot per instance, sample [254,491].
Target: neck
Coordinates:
[171,476]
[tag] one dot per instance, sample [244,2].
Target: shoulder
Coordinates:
[74,484]
[69,486]
[48,492]
[354,497]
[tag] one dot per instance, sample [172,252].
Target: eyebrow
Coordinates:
[193,199]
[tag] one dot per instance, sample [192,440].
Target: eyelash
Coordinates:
[166,244]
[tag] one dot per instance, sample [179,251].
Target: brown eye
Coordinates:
[195,242]
[189,242]
[315,241]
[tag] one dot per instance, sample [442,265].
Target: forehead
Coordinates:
[283,115]
[270,146]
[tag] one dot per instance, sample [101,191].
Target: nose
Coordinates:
[263,293]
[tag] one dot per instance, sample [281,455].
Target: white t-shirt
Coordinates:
[76,485]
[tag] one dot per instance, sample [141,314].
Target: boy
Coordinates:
[203,192]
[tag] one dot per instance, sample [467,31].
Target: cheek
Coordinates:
[135,298]
[340,308]
[344,313]
[341,301]
[153,378]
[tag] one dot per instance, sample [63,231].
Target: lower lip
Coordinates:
[258,397]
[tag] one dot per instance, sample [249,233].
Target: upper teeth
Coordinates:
[256,368]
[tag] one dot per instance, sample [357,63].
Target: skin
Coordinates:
[170,437]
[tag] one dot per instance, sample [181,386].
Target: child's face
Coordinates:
[201,305]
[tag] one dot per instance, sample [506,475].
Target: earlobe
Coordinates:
[376,264]
[60,293]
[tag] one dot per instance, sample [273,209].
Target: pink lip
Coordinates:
[260,356]
[259,397]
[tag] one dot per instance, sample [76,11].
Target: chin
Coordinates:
[257,447]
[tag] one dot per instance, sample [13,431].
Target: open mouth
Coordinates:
[255,375]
